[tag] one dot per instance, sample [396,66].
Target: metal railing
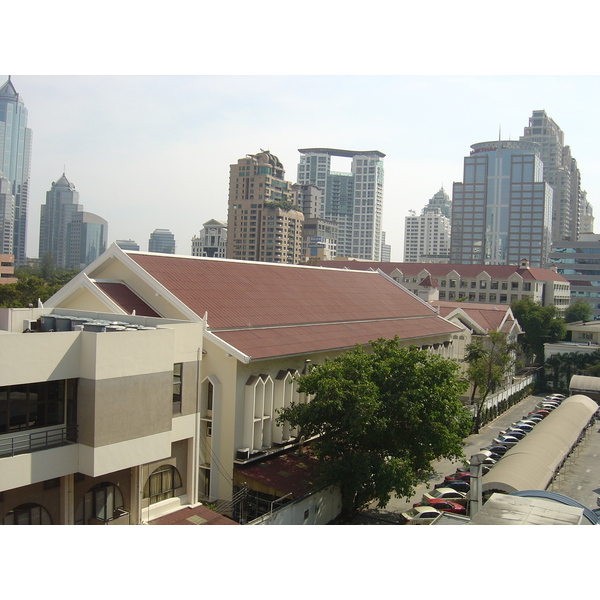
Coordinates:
[33,441]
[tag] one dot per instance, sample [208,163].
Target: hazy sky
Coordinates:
[150,151]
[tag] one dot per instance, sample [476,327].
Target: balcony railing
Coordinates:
[37,440]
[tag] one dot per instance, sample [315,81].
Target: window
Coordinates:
[27,514]
[177,378]
[104,502]
[162,484]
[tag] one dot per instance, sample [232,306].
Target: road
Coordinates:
[580,479]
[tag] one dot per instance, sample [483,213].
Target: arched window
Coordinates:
[27,514]
[162,484]
[104,502]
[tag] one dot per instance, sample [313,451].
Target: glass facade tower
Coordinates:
[502,211]
[15,162]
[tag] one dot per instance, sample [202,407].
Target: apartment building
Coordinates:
[264,222]
[493,284]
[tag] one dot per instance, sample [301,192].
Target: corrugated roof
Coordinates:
[441,270]
[533,461]
[129,301]
[242,294]
[488,316]
[267,310]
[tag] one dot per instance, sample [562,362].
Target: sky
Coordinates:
[147,152]
[145,126]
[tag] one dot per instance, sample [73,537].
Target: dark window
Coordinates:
[177,380]
[104,502]
[27,514]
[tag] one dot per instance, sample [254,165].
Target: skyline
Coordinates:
[135,145]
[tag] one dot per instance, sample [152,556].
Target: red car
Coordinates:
[444,506]
[461,475]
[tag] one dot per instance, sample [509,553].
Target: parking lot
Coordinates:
[579,479]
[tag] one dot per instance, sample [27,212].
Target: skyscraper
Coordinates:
[15,162]
[353,199]
[570,206]
[86,239]
[161,241]
[62,203]
[427,236]
[72,237]
[264,222]
[501,212]
[7,216]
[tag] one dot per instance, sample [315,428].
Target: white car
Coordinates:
[446,494]
[559,397]
[420,515]
[506,440]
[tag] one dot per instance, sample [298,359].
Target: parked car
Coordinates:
[420,515]
[496,449]
[461,486]
[444,506]
[459,476]
[514,432]
[534,417]
[506,440]
[445,493]
[559,397]
[525,425]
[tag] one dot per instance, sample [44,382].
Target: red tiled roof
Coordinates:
[284,341]
[441,270]
[126,299]
[239,294]
[267,310]
[488,316]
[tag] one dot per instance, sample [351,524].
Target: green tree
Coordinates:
[490,361]
[541,325]
[380,418]
[579,310]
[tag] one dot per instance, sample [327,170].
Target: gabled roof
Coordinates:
[261,310]
[488,317]
[441,271]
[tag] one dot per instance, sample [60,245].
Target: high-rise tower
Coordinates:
[62,203]
[353,199]
[427,236]
[15,162]
[501,212]
[264,222]
[561,172]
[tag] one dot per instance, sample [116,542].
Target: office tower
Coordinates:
[72,237]
[128,245]
[15,162]
[212,241]
[62,203]
[501,212]
[427,236]
[161,241]
[7,216]
[386,249]
[577,261]
[353,199]
[264,222]
[86,239]
[319,235]
[562,173]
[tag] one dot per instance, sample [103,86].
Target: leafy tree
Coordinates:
[579,310]
[490,360]
[541,325]
[381,418]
